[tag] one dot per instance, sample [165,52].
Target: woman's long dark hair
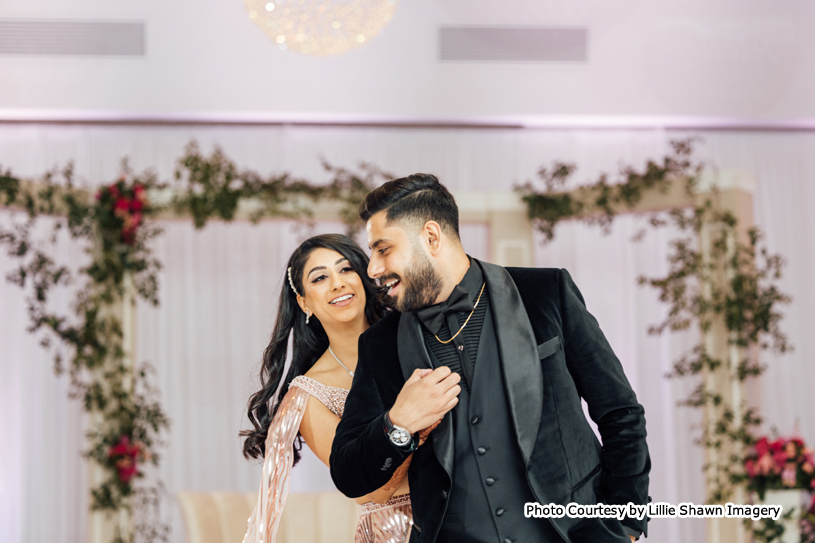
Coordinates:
[309,341]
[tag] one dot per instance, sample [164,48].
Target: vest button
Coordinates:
[507,540]
[499,511]
[481,450]
[461,347]
[474,420]
[444,494]
[490,481]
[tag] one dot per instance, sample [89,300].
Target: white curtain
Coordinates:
[219,288]
[43,477]
[605,268]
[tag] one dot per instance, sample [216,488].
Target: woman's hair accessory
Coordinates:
[291,283]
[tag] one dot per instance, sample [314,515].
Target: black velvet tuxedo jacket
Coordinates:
[552,355]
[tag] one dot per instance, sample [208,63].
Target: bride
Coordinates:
[328,300]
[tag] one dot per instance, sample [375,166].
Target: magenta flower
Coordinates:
[788,475]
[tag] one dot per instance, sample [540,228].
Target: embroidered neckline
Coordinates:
[319,383]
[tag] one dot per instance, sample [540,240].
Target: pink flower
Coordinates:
[791,449]
[121,448]
[120,208]
[808,467]
[788,476]
[124,463]
[750,467]
[762,446]
[125,474]
[765,465]
[128,457]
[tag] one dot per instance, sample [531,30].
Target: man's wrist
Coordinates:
[397,420]
[398,435]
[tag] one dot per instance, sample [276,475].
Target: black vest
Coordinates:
[489,487]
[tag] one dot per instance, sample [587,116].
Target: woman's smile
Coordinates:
[342,300]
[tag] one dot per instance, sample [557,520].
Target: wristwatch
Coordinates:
[399,436]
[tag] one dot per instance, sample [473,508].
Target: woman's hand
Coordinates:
[424,434]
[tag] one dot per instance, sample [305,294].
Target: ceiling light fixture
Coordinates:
[321,27]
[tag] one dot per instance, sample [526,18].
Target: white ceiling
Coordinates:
[744,59]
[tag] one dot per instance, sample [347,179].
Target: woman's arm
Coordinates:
[318,427]
[277,464]
[386,492]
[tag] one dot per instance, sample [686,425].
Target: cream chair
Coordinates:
[220,517]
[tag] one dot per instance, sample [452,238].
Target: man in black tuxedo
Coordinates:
[502,357]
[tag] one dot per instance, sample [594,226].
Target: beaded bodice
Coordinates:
[379,523]
[331,397]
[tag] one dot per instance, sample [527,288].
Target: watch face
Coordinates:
[399,437]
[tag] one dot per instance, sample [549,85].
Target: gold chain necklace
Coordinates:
[465,322]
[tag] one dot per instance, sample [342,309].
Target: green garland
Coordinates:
[115,229]
[127,415]
[747,300]
[599,202]
[213,187]
[116,235]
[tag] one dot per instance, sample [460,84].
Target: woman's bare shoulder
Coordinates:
[326,372]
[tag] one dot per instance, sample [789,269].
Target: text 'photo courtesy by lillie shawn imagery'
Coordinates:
[652,510]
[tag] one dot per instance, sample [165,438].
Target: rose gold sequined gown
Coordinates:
[378,523]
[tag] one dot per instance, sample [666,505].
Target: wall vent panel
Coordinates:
[506,44]
[71,38]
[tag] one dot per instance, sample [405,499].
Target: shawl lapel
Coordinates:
[413,354]
[520,362]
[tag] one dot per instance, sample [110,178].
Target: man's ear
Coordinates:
[431,234]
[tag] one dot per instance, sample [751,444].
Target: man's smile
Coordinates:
[393,285]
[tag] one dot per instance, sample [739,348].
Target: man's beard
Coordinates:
[421,284]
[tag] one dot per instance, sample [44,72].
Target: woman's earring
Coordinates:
[308,314]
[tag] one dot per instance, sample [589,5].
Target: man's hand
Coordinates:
[425,398]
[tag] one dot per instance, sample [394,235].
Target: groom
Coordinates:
[502,356]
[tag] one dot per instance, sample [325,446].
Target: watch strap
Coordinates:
[390,426]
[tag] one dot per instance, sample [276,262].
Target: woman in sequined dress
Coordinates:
[326,302]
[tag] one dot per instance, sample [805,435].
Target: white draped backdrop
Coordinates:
[219,289]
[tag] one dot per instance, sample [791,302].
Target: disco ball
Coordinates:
[321,27]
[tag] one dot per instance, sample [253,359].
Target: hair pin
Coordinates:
[291,283]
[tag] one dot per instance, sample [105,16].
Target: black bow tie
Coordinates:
[433,316]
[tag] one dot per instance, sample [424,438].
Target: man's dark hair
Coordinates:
[416,198]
